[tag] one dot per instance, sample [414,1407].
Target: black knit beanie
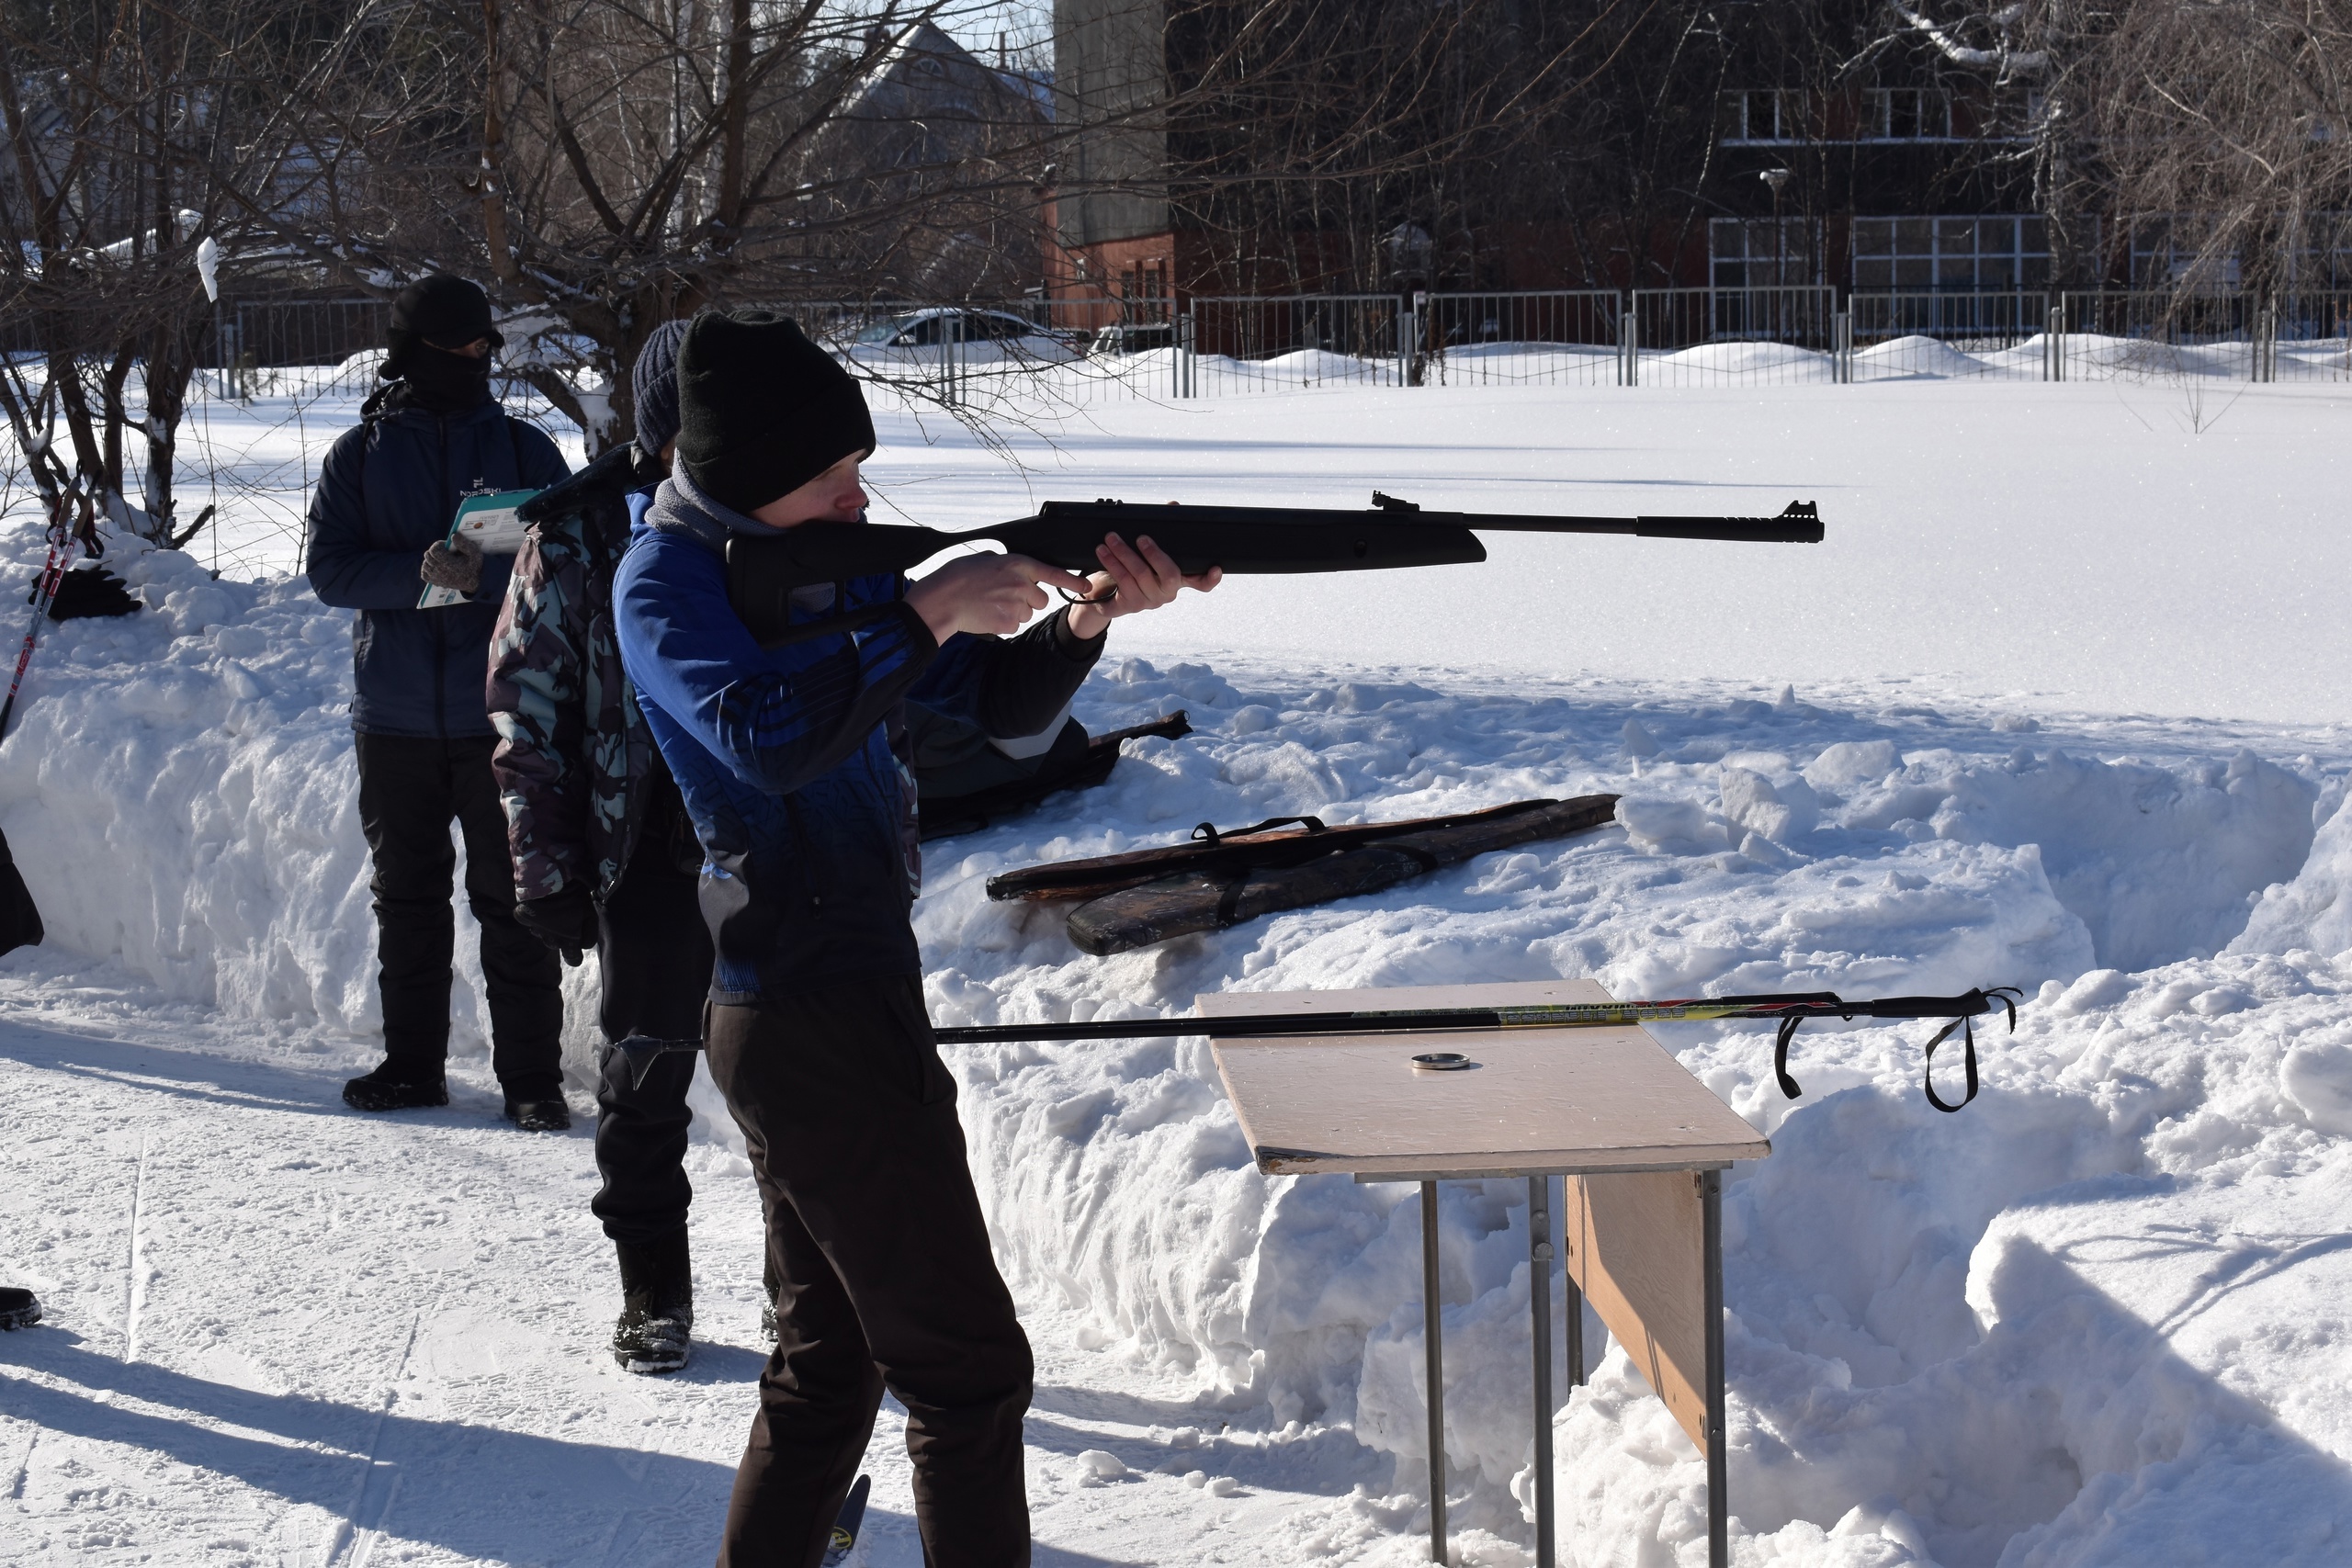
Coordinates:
[447,311]
[762,411]
[653,386]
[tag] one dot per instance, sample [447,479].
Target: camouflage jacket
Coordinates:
[573,752]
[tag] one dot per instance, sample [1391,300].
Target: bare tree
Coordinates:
[605,167]
[2226,127]
[103,222]
[2041,64]
[1302,133]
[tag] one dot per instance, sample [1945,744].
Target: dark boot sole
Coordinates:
[375,1098]
[540,1116]
[19,1317]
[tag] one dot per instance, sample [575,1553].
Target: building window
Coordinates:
[1978,254]
[1762,114]
[1145,287]
[1747,253]
[1906,113]
[2325,259]
[2165,255]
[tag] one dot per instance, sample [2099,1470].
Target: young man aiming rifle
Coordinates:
[816,1031]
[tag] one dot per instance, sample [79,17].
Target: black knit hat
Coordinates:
[762,411]
[447,311]
[655,388]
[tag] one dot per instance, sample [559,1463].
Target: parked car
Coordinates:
[975,337]
[1133,337]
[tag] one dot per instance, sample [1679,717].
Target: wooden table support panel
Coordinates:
[1635,1246]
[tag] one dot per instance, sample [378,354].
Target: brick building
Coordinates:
[1750,153]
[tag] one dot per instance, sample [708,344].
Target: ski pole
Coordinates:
[1788,1010]
[44,595]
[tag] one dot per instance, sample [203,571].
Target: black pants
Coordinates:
[886,1281]
[408,791]
[653,952]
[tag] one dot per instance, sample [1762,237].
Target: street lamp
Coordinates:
[1777,179]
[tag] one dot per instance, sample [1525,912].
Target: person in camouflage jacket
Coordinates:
[603,854]
[574,750]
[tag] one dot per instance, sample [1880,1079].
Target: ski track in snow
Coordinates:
[2096,1318]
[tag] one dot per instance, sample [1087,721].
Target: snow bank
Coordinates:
[179,785]
[1914,356]
[2315,910]
[1777,362]
[2087,1315]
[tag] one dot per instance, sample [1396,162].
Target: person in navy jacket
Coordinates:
[379,521]
[816,1031]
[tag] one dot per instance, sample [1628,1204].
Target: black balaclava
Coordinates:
[430,315]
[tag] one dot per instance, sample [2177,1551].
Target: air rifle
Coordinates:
[762,573]
[1787,1009]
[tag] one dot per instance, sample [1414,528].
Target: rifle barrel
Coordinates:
[1800,524]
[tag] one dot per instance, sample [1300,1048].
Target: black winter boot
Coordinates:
[552,1115]
[19,1308]
[393,1087]
[656,1327]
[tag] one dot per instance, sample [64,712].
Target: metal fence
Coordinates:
[2310,336]
[1529,338]
[2130,334]
[1921,336]
[972,353]
[1022,352]
[1680,337]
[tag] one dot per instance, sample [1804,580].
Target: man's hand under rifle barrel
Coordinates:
[762,572]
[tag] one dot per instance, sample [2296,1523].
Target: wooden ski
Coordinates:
[1307,868]
[1280,841]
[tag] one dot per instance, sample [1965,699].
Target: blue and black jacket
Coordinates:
[390,489]
[785,755]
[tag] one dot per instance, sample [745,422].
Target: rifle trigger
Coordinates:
[1393,503]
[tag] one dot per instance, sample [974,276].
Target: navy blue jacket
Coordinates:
[784,755]
[388,490]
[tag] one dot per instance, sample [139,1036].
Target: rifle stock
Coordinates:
[762,572]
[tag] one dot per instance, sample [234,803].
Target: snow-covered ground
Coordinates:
[2058,705]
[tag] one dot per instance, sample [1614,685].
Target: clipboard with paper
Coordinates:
[494,524]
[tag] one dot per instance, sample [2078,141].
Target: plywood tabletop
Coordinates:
[1539,1100]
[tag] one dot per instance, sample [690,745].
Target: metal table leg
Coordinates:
[1539,1306]
[1711,1204]
[1572,1299]
[1432,1330]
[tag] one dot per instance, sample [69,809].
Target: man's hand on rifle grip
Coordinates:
[1137,577]
[989,594]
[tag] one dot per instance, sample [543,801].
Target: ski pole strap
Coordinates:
[1788,1031]
[1961,1009]
[1968,1052]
